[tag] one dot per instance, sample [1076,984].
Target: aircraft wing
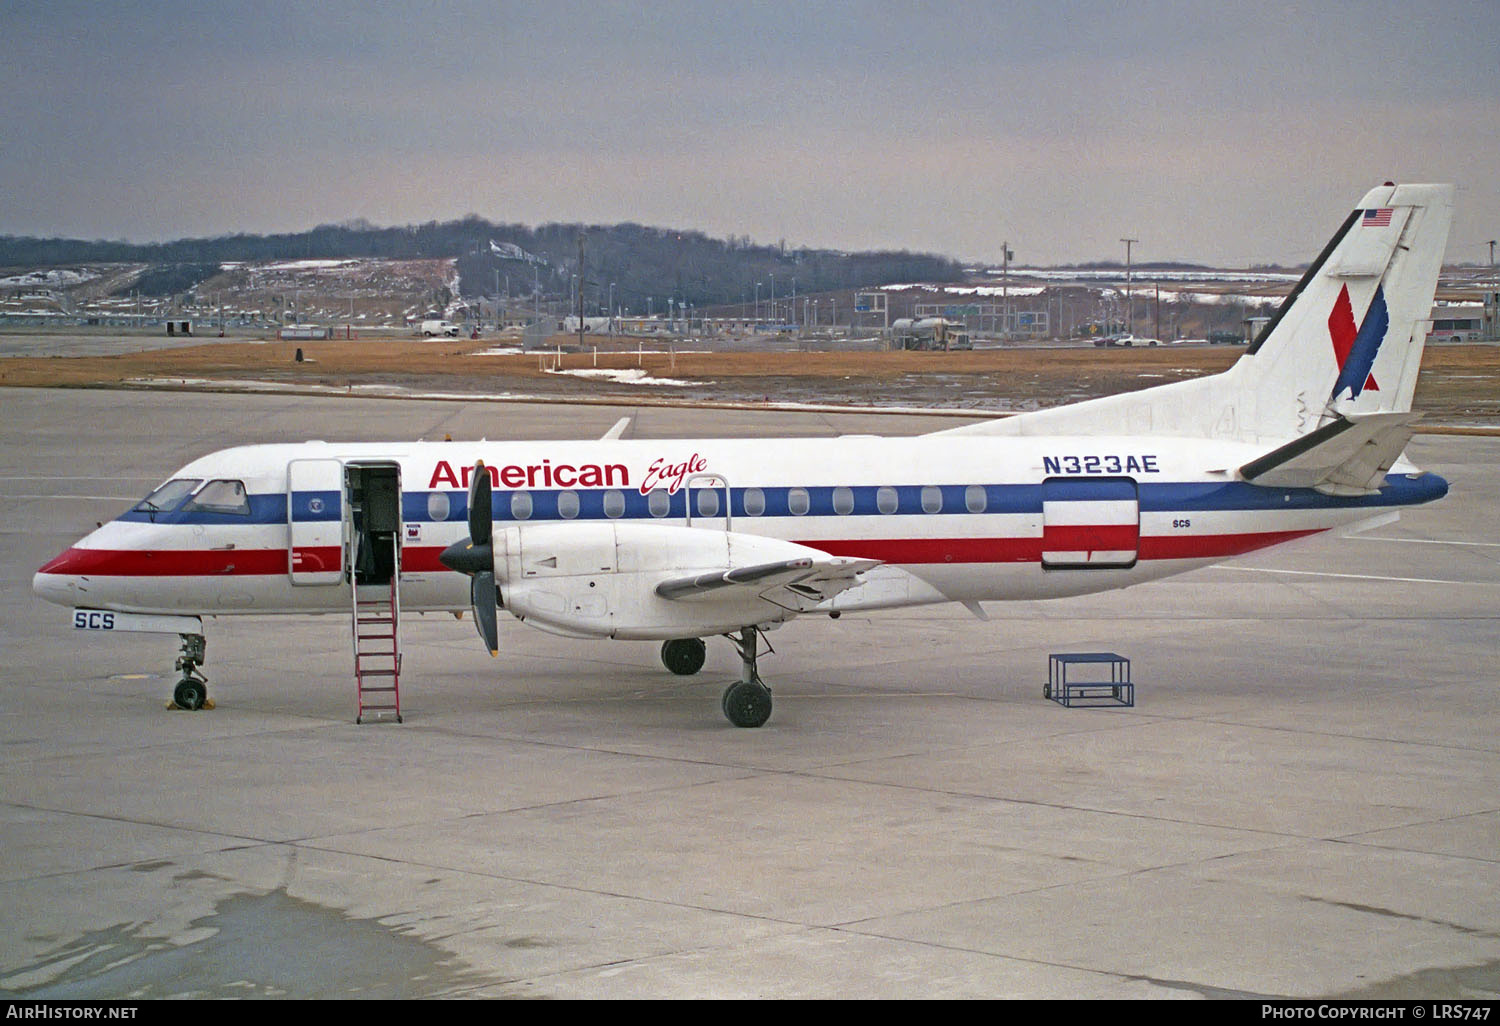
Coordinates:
[800,583]
[1348,456]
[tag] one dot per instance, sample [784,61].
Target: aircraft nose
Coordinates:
[53,587]
[57,581]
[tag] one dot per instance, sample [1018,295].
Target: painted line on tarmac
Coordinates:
[1357,577]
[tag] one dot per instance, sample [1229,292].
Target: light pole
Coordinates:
[757,305]
[1005,256]
[1129,308]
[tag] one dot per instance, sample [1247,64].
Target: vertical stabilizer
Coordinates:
[1349,338]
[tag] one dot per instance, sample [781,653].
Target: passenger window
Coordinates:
[658,502]
[755,502]
[221,497]
[797,502]
[169,496]
[843,501]
[975,500]
[932,500]
[520,505]
[567,505]
[886,500]
[708,502]
[614,504]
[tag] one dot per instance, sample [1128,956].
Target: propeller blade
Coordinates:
[482,602]
[481,515]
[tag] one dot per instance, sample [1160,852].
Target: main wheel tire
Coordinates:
[189,694]
[747,705]
[684,656]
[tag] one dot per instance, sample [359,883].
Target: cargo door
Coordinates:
[1090,522]
[315,521]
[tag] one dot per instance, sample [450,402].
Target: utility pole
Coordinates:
[1492,298]
[580,291]
[1005,290]
[1129,309]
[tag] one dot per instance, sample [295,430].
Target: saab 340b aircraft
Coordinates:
[678,541]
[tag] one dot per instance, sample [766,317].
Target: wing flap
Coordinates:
[799,583]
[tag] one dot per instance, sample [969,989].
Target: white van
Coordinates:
[431,329]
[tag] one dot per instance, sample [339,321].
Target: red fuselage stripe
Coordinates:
[899,551]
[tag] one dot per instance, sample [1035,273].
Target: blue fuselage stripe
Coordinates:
[820,501]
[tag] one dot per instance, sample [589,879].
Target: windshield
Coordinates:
[220,497]
[169,496]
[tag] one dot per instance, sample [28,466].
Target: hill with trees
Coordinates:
[634,264]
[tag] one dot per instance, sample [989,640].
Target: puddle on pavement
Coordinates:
[266,946]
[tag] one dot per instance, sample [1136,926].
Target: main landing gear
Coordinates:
[684,656]
[746,702]
[191,691]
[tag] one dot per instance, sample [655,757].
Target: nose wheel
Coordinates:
[191,691]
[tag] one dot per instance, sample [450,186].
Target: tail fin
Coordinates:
[1349,338]
[1347,341]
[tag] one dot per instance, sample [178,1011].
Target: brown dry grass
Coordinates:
[364,360]
[1458,383]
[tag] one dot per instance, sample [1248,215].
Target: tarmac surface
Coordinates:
[1304,802]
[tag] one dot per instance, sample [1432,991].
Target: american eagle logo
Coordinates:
[1355,348]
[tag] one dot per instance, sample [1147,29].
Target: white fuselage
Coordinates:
[950,519]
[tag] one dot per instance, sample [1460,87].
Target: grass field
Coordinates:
[1459,384]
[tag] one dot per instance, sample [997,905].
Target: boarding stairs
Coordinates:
[377,646]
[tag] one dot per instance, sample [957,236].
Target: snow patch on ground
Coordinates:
[55,278]
[629,376]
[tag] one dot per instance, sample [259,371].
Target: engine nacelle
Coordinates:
[599,580]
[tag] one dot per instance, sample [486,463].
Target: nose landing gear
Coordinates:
[191,691]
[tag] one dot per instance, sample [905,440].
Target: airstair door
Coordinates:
[315,521]
[1090,522]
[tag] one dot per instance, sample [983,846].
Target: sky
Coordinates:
[1226,133]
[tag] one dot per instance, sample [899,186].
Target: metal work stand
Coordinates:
[1117,690]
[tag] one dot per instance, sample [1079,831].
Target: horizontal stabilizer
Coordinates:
[805,581]
[1348,456]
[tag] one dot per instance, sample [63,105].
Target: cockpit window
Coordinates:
[220,497]
[169,496]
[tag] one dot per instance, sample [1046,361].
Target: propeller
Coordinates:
[475,556]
